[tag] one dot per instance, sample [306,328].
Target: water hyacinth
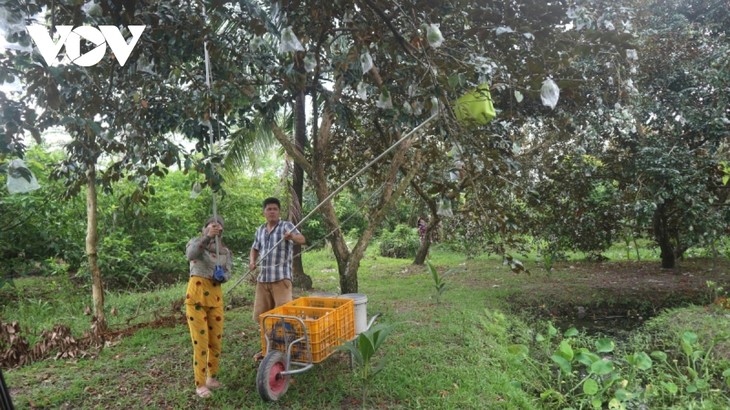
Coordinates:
[549,93]
[289,41]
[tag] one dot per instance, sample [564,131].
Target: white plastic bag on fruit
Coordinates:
[433,35]
[289,41]
[195,190]
[362,91]
[384,101]
[366,61]
[309,63]
[434,105]
[444,208]
[20,178]
[550,93]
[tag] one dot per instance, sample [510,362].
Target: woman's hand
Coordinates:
[213,230]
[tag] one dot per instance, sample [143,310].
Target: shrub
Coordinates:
[401,243]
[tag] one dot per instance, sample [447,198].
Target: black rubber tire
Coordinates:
[269,381]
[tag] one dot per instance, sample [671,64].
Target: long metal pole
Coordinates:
[339,189]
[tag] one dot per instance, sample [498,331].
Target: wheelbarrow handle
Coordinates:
[372,320]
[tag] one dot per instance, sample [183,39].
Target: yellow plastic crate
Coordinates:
[321,327]
[344,311]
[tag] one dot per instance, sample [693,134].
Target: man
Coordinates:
[274,282]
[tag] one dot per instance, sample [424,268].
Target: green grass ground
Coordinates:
[447,355]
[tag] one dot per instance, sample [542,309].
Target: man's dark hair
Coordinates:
[272,200]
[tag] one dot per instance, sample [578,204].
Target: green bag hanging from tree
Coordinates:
[475,107]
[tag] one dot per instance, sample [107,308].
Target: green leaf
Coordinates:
[692,372]
[670,387]
[590,387]
[549,393]
[518,350]
[539,338]
[565,350]
[380,333]
[689,337]
[614,404]
[688,340]
[602,367]
[597,403]
[605,345]
[661,356]
[623,394]
[571,332]
[552,331]
[456,80]
[564,365]
[642,361]
[351,347]
[365,345]
[587,358]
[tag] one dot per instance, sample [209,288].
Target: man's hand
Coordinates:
[295,237]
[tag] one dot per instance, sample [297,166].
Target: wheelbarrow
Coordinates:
[298,335]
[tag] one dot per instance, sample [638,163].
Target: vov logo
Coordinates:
[71,38]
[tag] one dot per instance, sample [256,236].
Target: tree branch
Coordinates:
[406,46]
[290,149]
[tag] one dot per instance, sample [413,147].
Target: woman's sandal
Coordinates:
[203,392]
[213,384]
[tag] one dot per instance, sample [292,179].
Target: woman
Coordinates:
[422,228]
[204,303]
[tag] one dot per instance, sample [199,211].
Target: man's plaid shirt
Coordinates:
[277,265]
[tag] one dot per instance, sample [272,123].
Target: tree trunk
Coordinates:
[336,239]
[433,224]
[97,286]
[301,279]
[425,245]
[662,237]
[348,262]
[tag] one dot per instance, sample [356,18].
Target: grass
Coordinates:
[440,356]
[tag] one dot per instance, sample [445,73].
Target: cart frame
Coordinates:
[272,377]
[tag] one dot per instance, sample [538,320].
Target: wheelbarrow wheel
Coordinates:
[270,382]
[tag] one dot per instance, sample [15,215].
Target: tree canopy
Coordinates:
[632,137]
